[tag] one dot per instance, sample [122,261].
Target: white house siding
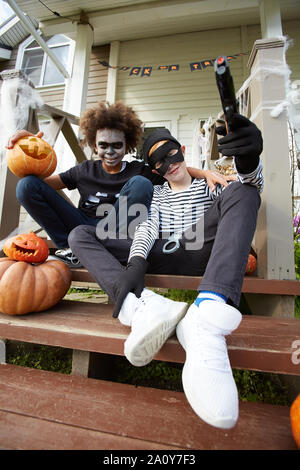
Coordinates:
[53,96]
[180,99]
[97,76]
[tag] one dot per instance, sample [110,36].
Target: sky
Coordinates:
[5,11]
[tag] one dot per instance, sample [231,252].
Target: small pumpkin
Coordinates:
[26,288]
[31,156]
[26,247]
[251,265]
[295,420]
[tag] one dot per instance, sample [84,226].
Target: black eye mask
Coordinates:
[160,155]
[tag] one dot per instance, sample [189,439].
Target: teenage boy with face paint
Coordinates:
[215,230]
[111,131]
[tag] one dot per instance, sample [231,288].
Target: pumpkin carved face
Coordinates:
[26,247]
[31,156]
[25,288]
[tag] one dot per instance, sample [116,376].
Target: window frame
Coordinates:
[24,47]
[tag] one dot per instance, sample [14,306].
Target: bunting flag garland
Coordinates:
[146,71]
[135,71]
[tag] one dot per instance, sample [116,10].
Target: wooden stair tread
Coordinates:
[251,284]
[260,343]
[14,436]
[122,416]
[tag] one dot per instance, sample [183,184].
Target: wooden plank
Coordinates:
[150,415]
[260,343]
[47,435]
[250,284]
[55,112]
[72,140]
[54,129]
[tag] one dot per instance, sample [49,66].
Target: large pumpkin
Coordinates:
[26,247]
[31,156]
[26,288]
[295,420]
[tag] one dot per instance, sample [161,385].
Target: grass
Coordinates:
[252,386]
[40,357]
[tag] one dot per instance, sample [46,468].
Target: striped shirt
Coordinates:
[174,212]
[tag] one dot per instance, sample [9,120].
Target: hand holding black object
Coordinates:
[244,142]
[132,280]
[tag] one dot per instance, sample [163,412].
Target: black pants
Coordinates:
[229,226]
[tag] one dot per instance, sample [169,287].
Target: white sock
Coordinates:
[209,295]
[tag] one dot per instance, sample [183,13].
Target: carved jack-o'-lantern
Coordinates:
[26,288]
[31,156]
[26,247]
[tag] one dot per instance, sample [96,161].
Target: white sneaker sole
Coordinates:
[198,407]
[140,349]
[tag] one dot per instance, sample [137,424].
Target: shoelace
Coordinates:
[139,308]
[73,259]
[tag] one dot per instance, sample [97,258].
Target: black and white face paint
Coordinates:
[111,146]
[168,153]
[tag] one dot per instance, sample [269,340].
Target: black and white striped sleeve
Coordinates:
[147,232]
[255,178]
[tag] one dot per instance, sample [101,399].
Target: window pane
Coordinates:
[33,44]
[32,65]
[52,74]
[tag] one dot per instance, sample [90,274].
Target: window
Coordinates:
[37,65]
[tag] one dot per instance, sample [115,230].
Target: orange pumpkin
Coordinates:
[31,156]
[251,265]
[26,247]
[26,288]
[295,420]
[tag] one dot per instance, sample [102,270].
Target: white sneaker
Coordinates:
[128,309]
[153,321]
[207,377]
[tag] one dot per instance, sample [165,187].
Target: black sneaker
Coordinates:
[67,257]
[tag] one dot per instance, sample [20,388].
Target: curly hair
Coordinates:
[114,116]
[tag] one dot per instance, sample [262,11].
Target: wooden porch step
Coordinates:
[47,410]
[260,343]
[251,284]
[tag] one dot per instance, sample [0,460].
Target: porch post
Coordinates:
[76,91]
[274,233]
[270,18]
[111,90]
[77,85]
